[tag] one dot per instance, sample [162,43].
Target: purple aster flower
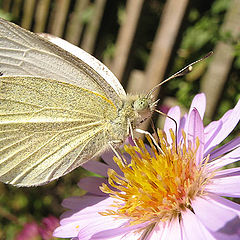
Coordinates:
[44,231]
[29,232]
[47,227]
[173,190]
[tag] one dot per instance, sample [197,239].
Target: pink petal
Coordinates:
[196,104]
[193,228]
[96,167]
[130,141]
[225,148]
[228,172]
[89,213]
[182,126]
[122,232]
[108,159]
[131,235]
[232,232]
[157,232]
[225,203]
[226,186]
[97,229]
[90,208]
[74,227]
[174,113]
[199,103]
[67,231]
[78,203]
[92,184]
[210,132]
[195,129]
[107,156]
[75,222]
[171,230]
[231,157]
[78,217]
[212,215]
[229,121]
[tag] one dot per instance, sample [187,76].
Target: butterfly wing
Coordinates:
[48,128]
[23,53]
[91,61]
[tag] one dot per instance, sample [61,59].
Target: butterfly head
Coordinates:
[144,104]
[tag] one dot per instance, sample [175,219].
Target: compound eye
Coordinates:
[140,104]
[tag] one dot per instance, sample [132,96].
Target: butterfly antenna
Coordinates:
[180,73]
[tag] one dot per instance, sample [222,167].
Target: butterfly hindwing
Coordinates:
[47,128]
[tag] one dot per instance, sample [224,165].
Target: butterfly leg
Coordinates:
[115,150]
[131,132]
[150,135]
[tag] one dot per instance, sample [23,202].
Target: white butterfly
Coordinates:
[57,109]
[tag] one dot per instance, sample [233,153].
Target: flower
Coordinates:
[29,232]
[173,189]
[43,231]
[47,227]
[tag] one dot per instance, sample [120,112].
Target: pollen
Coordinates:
[158,184]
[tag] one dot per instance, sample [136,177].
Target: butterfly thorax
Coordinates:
[135,110]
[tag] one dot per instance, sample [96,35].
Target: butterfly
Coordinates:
[59,107]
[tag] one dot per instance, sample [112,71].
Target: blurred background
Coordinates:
[142,42]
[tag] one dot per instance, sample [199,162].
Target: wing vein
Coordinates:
[24,173]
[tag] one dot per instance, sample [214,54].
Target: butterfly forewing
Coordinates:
[25,53]
[88,59]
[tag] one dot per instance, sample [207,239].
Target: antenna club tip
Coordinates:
[180,73]
[208,54]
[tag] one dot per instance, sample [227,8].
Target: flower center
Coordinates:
[156,185]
